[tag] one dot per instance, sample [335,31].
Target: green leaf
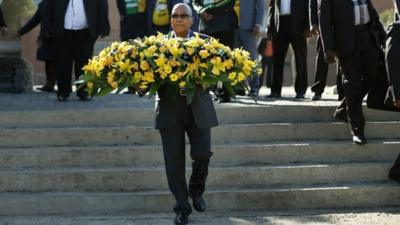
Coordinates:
[121,88]
[105,91]
[190,92]
[154,88]
[152,63]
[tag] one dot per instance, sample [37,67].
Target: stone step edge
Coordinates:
[338,186]
[84,169]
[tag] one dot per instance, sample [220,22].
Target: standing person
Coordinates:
[132,17]
[218,19]
[45,51]
[195,18]
[173,120]
[158,16]
[351,31]
[75,26]
[3,25]
[289,24]
[250,17]
[393,68]
[321,67]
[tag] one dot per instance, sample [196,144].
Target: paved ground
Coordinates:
[47,101]
[389,217]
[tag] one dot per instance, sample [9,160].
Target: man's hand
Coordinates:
[314,30]
[330,56]
[206,16]
[4,31]
[256,30]
[397,103]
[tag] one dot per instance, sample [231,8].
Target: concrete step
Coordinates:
[126,179]
[224,134]
[230,114]
[373,195]
[224,155]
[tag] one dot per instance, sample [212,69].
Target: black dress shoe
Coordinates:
[359,139]
[300,96]
[62,98]
[181,219]
[199,204]
[274,95]
[316,97]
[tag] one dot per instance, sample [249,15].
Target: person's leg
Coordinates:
[299,45]
[64,55]
[392,60]
[83,51]
[249,44]
[281,45]
[173,141]
[321,71]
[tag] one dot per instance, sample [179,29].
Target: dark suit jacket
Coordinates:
[202,108]
[397,7]
[299,16]
[224,18]
[2,21]
[96,13]
[314,12]
[337,26]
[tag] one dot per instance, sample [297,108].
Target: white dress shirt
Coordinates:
[361,13]
[285,7]
[75,17]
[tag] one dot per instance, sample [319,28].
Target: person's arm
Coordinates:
[121,7]
[104,23]
[33,22]
[326,29]
[260,9]
[3,25]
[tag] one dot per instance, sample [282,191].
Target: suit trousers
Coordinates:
[392,59]
[360,70]
[284,37]
[74,48]
[173,141]
[321,72]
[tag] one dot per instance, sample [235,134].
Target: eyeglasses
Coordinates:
[177,16]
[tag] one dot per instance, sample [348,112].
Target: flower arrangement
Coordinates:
[182,64]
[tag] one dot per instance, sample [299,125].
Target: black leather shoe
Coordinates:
[316,97]
[46,88]
[199,204]
[359,139]
[181,219]
[274,95]
[62,98]
[300,96]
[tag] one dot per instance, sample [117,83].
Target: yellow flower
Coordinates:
[173,77]
[241,77]
[138,76]
[125,66]
[228,63]
[160,61]
[163,49]
[148,76]
[182,84]
[190,51]
[232,76]
[204,53]
[176,51]
[218,66]
[144,65]
[234,82]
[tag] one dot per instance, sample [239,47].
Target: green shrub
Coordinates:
[387,17]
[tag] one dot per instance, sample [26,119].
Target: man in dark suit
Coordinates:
[45,51]
[321,67]
[173,119]
[393,68]
[218,19]
[351,31]
[3,25]
[75,26]
[289,24]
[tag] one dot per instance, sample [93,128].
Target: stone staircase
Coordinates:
[267,156]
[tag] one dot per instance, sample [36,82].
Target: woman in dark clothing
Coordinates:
[3,25]
[45,50]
